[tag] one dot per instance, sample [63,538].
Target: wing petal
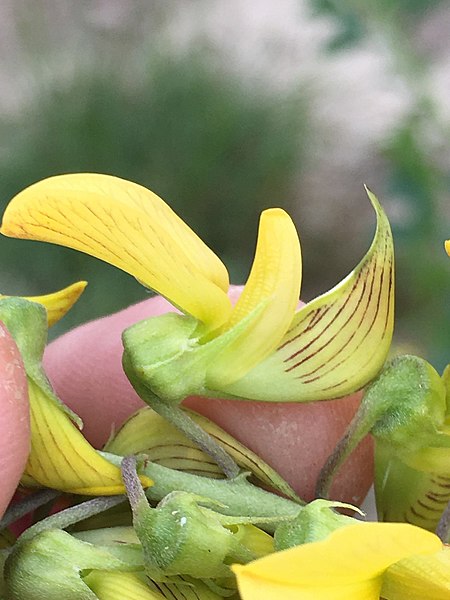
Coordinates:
[274,281]
[338,342]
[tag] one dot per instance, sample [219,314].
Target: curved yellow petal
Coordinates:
[346,565]
[60,302]
[337,342]
[61,458]
[274,287]
[447,247]
[129,227]
[419,577]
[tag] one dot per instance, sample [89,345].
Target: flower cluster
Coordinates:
[181,509]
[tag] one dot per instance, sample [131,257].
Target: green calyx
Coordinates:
[181,536]
[312,524]
[27,323]
[404,408]
[409,397]
[51,565]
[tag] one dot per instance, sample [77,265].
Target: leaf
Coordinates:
[338,342]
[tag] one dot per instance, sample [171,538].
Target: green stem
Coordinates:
[235,497]
[72,515]
[180,419]
[357,429]
[29,504]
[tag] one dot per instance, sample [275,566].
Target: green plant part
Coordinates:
[406,410]
[263,348]
[50,565]
[55,430]
[147,433]
[312,524]
[183,537]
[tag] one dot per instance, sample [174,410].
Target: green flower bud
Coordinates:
[413,397]
[312,524]
[180,537]
[50,564]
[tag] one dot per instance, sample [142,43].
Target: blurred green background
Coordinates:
[225,108]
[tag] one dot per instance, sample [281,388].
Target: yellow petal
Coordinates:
[339,341]
[419,577]
[61,457]
[274,281]
[346,565]
[184,588]
[146,432]
[59,303]
[253,538]
[129,227]
[110,585]
[447,247]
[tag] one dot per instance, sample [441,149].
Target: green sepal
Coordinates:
[50,566]
[409,397]
[179,536]
[312,524]
[404,409]
[238,496]
[27,323]
[168,355]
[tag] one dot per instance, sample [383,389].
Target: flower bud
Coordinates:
[313,523]
[50,564]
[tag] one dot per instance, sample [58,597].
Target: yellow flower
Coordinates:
[263,348]
[447,247]
[419,578]
[347,565]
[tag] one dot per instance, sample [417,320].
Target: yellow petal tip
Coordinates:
[59,303]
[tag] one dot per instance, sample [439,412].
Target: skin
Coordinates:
[14,418]
[84,366]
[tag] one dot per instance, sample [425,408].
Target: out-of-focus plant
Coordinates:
[415,174]
[219,146]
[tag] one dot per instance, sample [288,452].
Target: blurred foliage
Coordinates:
[423,279]
[354,17]
[414,174]
[218,148]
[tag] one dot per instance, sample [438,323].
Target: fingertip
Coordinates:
[14,417]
